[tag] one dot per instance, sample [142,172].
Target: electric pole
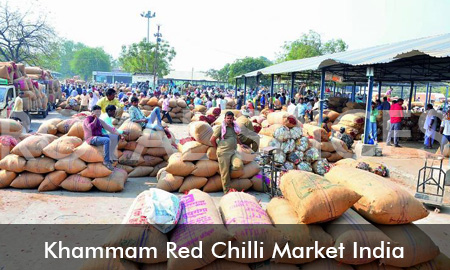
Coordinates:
[158,36]
[148,15]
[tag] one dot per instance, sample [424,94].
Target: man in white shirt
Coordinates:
[223,103]
[84,103]
[292,108]
[430,127]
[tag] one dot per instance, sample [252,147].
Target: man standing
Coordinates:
[109,100]
[385,105]
[93,99]
[84,103]
[430,127]
[396,114]
[301,109]
[292,108]
[226,148]
[92,127]
[166,108]
[373,123]
[17,112]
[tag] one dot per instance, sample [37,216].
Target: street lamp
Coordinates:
[148,15]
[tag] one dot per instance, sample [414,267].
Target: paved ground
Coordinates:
[63,207]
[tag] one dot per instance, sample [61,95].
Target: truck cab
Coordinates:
[8,94]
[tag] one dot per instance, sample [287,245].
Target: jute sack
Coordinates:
[199,215]
[251,169]
[286,220]
[236,174]
[205,168]
[114,182]
[126,168]
[7,143]
[259,183]
[211,154]
[268,265]
[159,151]
[111,263]
[62,147]
[27,180]
[52,181]
[134,146]
[141,171]
[214,184]
[49,127]
[153,102]
[315,132]
[192,182]
[243,214]
[418,246]
[152,138]
[155,266]
[134,130]
[246,153]
[181,103]
[13,163]
[89,153]
[240,184]
[77,183]
[329,264]
[70,164]
[270,130]
[314,198]
[236,162]
[131,158]
[351,228]
[147,236]
[168,182]
[95,170]
[40,165]
[150,160]
[382,201]
[221,264]
[76,130]
[377,266]
[332,115]
[193,151]
[32,146]
[65,125]
[179,167]
[9,126]
[157,168]
[282,118]
[6,178]
[201,131]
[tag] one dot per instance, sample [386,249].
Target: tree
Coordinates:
[245,65]
[23,36]
[310,45]
[140,57]
[87,60]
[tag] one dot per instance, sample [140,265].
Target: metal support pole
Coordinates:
[426,94]
[235,89]
[431,90]
[368,110]
[446,99]
[322,96]
[415,92]
[354,92]
[401,93]
[272,79]
[411,94]
[245,90]
[379,90]
[292,85]
[334,89]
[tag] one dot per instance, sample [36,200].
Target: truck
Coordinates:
[8,93]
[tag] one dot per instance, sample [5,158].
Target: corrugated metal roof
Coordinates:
[435,46]
[189,75]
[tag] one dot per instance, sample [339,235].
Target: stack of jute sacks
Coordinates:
[179,111]
[70,163]
[382,212]
[239,219]
[210,116]
[196,166]
[47,163]
[353,122]
[367,165]
[295,150]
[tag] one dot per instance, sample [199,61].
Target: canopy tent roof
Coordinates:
[426,59]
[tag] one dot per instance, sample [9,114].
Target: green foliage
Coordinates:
[87,60]
[238,67]
[310,45]
[140,57]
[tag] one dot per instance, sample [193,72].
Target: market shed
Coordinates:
[423,59]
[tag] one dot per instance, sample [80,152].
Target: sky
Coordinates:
[209,34]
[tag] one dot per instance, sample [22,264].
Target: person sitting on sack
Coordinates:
[226,148]
[137,116]
[17,112]
[110,99]
[247,136]
[92,127]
